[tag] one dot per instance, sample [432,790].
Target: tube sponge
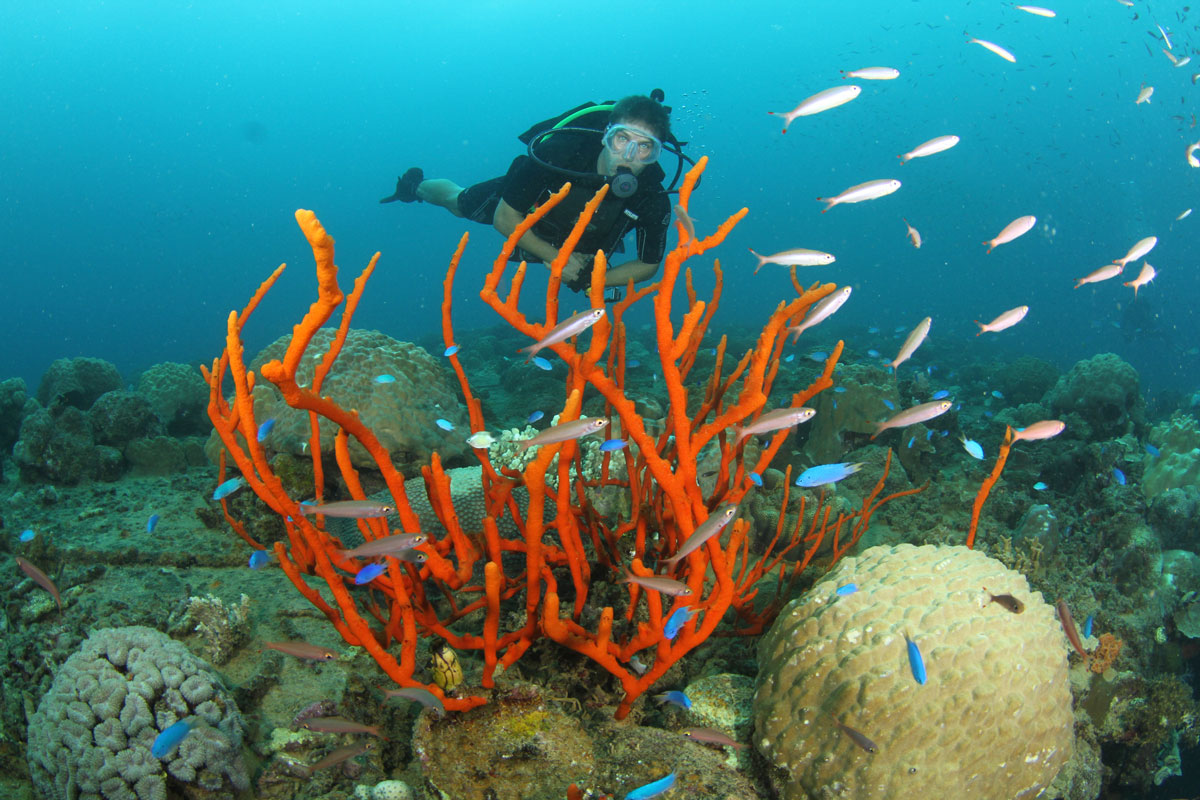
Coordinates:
[993,720]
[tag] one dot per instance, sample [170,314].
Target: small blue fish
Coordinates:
[941,394]
[676,621]
[166,742]
[996,393]
[259,559]
[368,573]
[444,424]
[846,589]
[676,699]
[1120,476]
[890,405]
[151,523]
[839,389]
[608,445]
[451,350]
[652,789]
[27,535]
[714,351]
[911,442]
[385,378]
[1040,486]
[1152,450]
[755,478]
[929,434]
[229,487]
[818,356]
[1087,626]
[534,417]
[873,353]
[988,414]
[915,662]
[974,448]
[827,473]
[929,370]
[633,363]
[872,329]
[265,429]
[791,357]
[542,363]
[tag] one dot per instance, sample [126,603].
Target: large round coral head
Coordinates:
[992,720]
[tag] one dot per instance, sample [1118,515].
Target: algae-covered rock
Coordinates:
[1105,393]
[118,417]
[845,420]
[179,396]
[77,382]
[55,448]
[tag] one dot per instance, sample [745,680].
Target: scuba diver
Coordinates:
[618,143]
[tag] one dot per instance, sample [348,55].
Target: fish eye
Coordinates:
[912,770]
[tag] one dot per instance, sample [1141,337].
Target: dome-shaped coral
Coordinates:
[1103,391]
[992,722]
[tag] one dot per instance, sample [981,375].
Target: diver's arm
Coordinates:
[506,221]
[637,271]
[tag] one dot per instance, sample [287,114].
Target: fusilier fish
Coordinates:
[1004,321]
[564,330]
[302,650]
[1142,248]
[871,190]
[995,48]
[794,258]
[913,234]
[565,431]
[1144,95]
[911,416]
[935,145]
[1102,274]
[41,579]
[822,311]
[1145,276]
[349,509]
[1044,429]
[1038,11]
[1191,154]
[774,420]
[873,74]
[821,101]
[706,530]
[914,340]
[386,545]
[659,584]
[1018,227]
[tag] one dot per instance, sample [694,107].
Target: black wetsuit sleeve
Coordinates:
[525,184]
[653,223]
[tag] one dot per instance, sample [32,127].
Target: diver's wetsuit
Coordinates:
[527,184]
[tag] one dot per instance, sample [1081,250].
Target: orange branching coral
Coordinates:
[466,570]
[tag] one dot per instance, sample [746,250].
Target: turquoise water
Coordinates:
[153,155]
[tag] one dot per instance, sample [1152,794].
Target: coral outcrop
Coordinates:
[179,396]
[1102,391]
[91,735]
[993,721]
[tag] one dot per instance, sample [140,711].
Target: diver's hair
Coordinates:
[639,108]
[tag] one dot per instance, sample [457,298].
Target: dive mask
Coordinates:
[631,143]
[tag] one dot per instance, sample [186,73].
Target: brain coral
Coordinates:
[1105,392]
[91,734]
[402,413]
[993,721]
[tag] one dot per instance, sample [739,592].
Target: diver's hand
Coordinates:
[576,265]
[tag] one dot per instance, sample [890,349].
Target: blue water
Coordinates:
[152,155]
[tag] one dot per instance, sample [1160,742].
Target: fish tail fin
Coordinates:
[856,466]
[990,245]
[829,203]
[982,328]
[880,427]
[761,260]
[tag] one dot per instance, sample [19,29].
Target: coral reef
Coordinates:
[1178,462]
[992,674]
[92,732]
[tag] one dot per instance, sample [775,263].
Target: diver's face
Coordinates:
[628,144]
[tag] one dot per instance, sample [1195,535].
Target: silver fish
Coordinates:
[565,330]
[564,432]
